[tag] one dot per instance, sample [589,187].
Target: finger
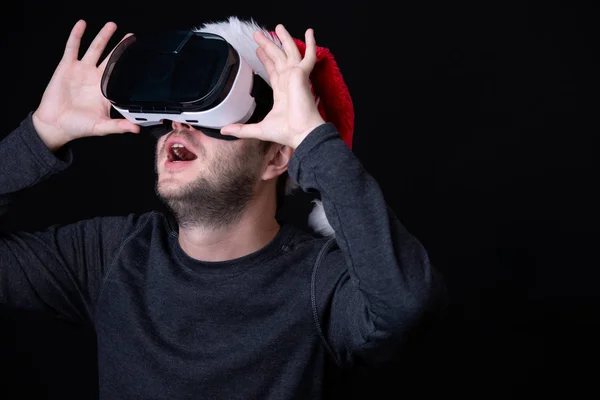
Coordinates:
[275,53]
[268,63]
[71,52]
[310,54]
[243,130]
[102,66]
[289,46]
[92,55]
[110,126]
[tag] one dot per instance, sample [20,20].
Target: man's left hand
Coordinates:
[295,113]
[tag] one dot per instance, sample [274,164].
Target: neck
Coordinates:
[253,231]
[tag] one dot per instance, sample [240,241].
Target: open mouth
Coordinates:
[179,153]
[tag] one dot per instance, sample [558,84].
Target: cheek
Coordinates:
[221,161]
[159,147]
[217,160]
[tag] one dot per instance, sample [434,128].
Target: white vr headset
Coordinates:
[190,77]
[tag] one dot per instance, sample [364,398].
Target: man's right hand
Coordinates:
[73,105]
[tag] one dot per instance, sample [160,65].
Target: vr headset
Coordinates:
[190,77]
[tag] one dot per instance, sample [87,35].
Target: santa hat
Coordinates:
[330,91]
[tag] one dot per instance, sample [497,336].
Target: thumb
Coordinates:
[243,130]
[110,126]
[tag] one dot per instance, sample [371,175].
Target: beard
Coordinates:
[218,199]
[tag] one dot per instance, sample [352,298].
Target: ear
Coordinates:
[277,159]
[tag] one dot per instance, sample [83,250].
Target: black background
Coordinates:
[478,119]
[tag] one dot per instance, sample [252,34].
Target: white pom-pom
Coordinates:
[317,220]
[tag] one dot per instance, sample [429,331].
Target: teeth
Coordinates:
[177,149]
[178,153]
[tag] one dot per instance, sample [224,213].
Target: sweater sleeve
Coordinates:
[25,160]
[58,270]
[374,284]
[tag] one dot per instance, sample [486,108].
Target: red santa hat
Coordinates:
[328,86]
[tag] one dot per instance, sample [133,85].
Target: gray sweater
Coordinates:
[264,326]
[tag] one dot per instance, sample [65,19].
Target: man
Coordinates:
[229,303]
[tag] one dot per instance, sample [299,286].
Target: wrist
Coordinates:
[48,133]
[311,127]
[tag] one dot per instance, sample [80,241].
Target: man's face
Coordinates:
[205,181]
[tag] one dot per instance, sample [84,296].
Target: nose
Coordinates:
[180,125]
